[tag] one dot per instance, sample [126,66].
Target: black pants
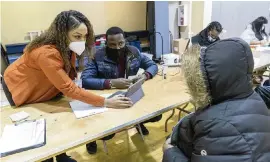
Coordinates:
[7,93]
[152,120]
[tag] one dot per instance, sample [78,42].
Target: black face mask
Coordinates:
[114,54]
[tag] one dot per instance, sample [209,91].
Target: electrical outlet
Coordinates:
[27,38]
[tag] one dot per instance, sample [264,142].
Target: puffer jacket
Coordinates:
[231,123]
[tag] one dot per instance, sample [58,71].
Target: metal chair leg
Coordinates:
[105,147]
[166,122]
[179,115]
[180,111]
[140,131]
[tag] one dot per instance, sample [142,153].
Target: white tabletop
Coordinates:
[261,59]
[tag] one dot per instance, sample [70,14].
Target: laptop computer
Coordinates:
[134,92]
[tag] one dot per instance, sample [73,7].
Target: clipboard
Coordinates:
[32,135]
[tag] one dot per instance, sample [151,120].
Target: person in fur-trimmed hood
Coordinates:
[231,122]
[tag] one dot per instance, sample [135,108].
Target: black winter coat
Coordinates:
[236,125]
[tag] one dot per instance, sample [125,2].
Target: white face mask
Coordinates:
[211,39]
[77,47]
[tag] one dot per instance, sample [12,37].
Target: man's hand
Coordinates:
[167,144]
[121,83]
[139,77]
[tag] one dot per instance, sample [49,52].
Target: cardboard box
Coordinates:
[180,45]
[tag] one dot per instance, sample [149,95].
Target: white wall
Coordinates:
[236,15]
[197,17]
[195,20]
[185,29]
[173,23]
[207,13]
[19,17]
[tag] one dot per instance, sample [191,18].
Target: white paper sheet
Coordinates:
[23,135]
[261,49]
[256,61]
[19,116]
[81,109]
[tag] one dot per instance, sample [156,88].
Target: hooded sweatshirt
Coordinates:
[231,123]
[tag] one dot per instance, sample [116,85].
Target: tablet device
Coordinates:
[134,92]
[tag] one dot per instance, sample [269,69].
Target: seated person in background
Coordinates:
[255,32]
[255,35]
[208,35]
[231,122]
[112,66]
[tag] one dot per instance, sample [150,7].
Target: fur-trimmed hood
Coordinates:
[218,73]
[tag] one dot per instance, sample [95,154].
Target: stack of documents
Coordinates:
[24,136]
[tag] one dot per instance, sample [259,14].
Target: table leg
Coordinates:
[128,141]
[166,122]
[105,147]
[140,131]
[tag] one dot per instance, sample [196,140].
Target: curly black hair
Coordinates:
[57,35]
[214,25]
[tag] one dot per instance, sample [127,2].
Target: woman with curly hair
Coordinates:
[47,67]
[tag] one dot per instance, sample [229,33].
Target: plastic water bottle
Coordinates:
[164,71]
